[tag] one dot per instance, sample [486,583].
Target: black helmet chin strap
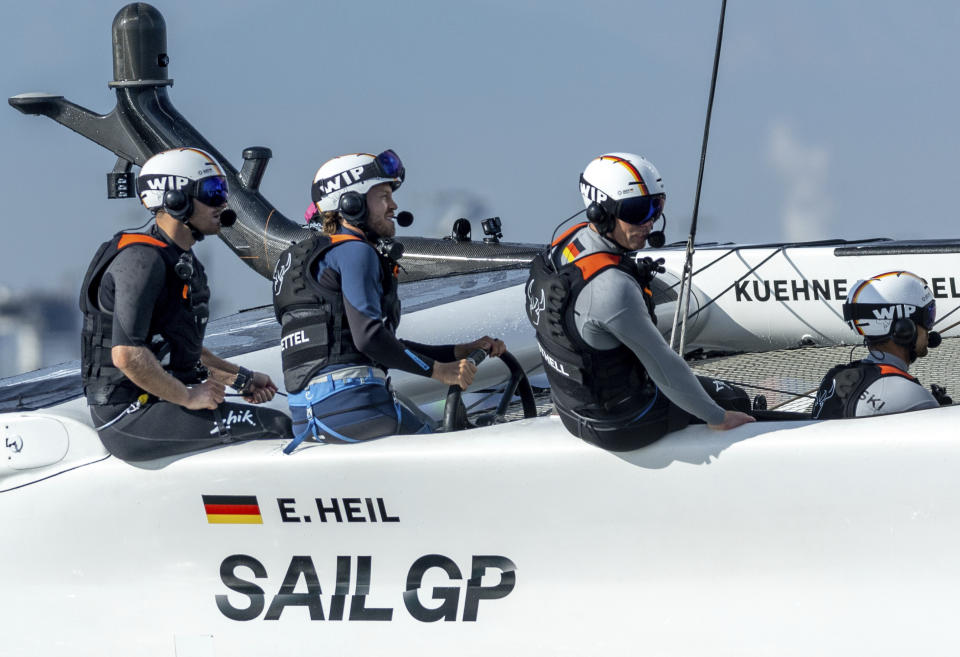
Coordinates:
[196,234]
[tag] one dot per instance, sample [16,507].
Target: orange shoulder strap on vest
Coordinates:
[887,370]
[592,264]
[136,238]
[567,233]
[343,237]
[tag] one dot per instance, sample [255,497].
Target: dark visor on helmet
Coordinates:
[925,316]
[640,209]
[390,165]
[385,165]
[211,191]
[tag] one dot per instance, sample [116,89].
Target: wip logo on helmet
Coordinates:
[592,193]
[342,179]
[896,310]
[165,183]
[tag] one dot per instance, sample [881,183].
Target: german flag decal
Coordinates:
[572,250]
[232,509]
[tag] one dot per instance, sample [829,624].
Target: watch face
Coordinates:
[243,376]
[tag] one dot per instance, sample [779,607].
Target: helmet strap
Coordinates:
[876,353]
[196,234]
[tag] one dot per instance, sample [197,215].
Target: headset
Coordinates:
[353,207]
[599,217]
[903,332]
[178,204]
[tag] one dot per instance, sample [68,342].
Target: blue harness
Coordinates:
[306,407]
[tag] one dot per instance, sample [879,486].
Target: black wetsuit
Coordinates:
[137,295]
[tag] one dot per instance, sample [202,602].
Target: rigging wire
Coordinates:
[685,281]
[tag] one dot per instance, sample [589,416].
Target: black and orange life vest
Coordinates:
[606,384]
[314,330]
[177,325]
[843,385]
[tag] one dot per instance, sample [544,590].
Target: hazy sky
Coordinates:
[832,119]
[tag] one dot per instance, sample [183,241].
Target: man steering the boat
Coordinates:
[894,314]
[335,296]
[153,389]
[614,380]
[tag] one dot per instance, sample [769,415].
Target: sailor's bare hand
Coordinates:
[492,346]
[458,373]
[731,420]
[208,394]
[260,389]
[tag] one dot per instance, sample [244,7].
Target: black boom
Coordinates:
[144,122]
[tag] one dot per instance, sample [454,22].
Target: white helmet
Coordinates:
[887,306]
[357,172]
[624,186]
[192,172]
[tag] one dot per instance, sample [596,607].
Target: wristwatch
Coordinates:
[243,380]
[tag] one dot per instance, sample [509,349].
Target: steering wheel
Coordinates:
[455,414]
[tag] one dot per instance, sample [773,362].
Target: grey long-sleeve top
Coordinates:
[610,310]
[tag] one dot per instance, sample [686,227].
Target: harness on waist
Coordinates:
[313,409]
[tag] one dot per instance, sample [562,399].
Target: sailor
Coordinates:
[894,314]
[153,389]
[335,296]
[614,380]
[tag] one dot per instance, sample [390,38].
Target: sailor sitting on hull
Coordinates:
[153,389]
[335,296]
[894,313]
[614,380]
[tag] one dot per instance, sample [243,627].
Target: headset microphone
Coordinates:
[227,218]
[404,218]
[933,340]
[656,239]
